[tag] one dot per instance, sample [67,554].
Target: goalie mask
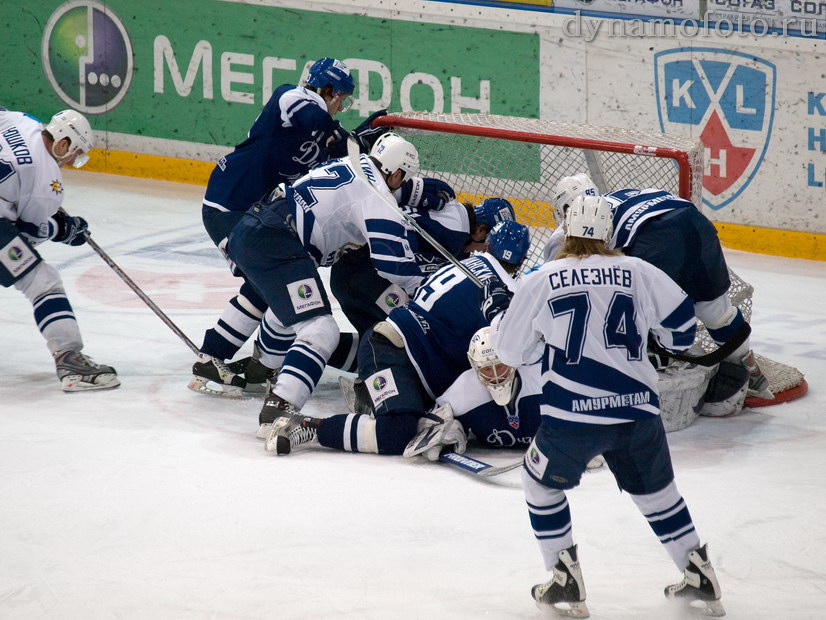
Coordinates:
[569,188]
[74,126]
[497,377]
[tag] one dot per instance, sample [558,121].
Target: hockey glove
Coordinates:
[222,248]
[425,193]
[333,139]
[366,135]
[495,298]
[437,430]
[70,230]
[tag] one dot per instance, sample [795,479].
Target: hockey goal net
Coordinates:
[522,159]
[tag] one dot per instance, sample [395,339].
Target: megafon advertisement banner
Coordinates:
[200,70]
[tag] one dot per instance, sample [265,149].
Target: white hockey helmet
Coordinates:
[497,377]
[569,188]
[73,125]
[589,217]
[395,153]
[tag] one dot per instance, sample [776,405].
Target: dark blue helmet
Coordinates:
[492,211]
[333,72]
[509,241]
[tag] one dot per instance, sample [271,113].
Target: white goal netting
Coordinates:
[522,159]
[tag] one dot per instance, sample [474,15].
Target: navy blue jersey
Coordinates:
[633,207]
[282,145]
[440,320]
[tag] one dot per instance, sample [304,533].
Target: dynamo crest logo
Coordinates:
[87,56]
[726,99]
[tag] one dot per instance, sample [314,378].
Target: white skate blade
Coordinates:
[205,386]
[349,392]
[707,609]
[568,610]
[76,383]
[257,388]
[263,431]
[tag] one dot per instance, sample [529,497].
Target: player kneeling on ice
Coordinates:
[586,316]
[31,194]
[672,234]
[411,357]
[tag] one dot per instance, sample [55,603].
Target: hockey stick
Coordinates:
[354,153]
[141,294]
[474,466]
[712,358]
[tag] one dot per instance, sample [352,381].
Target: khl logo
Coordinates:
[726,99]
[87,56]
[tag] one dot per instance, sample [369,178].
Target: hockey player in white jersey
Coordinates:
[587,315]
[294,132]
[31,195]
[672,234]
[413,356]
[281,242]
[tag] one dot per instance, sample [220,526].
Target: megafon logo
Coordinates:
[729,97]
[87,56]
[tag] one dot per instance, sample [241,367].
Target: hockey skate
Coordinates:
[213,376]
[79,373]
[699,587]
[291,432]
[356,395]
[565,593]
[758,383]
[274,407]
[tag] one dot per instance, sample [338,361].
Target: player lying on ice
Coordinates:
[415,355]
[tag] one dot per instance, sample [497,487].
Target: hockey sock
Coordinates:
[668,516]
[352,432]
[344,356]
[55,319]
[274,340]
[550,519]
[237,323]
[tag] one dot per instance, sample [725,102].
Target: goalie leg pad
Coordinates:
[726,391]
[682,387]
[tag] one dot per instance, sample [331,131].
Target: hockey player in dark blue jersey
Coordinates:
[294,132]
[672,234]
[365,297]
[413,356]
[586,316]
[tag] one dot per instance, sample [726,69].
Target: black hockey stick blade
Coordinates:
[709,359]
[474,466]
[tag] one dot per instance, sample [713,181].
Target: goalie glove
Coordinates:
[366,135]
[425,193]
[437,430]
[222,248]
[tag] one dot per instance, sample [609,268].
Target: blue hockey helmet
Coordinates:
[509,241]
[333,72]
[492,211]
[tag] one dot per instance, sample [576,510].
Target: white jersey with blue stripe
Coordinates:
[633,207]
[31,186]
[335,211]
[590,320]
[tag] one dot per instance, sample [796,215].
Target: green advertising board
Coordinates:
[200,70]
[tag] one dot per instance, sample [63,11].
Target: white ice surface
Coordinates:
[150,501]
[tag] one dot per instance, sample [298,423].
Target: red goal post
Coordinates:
[522,159]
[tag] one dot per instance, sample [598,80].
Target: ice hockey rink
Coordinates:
[151,501]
